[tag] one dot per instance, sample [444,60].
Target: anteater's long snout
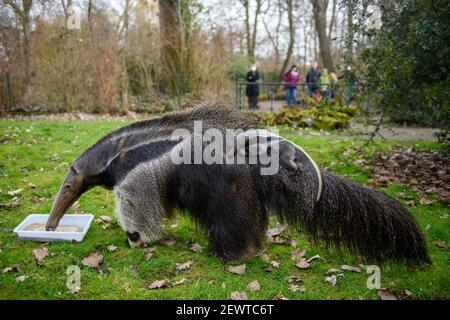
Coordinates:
[72,188]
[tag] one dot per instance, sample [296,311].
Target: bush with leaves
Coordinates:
[408,65]
[323,114]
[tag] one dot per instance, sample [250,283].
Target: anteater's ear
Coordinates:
[287,156]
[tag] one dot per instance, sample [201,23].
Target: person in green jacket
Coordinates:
[324,82]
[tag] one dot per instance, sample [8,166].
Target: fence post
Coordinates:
[9,91]
[236,100]
[179,90]
[271,97]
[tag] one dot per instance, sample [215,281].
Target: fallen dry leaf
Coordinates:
[440,244]
[385,294]
[237,269]
[332,270]
[298,254]
[76,207]
[350,268]
[184,266]
[264,256]
[149,250]
[302,264]
[93,260]
[313,258]
[11,269]
[15,192]
[280,297]
[275,264]
[179,282]
[126,287]
[238,296]
[112,248]
[407,293]
[254,286]
[40,254]
[158,284]
[294,279]
[169,241]
[21,278]
[426,202]
[196,247]
[104,220]
[74,290]
[410,203]
[333,279]
[275,231]
[294,288]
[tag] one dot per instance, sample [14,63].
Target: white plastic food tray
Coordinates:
[82,221]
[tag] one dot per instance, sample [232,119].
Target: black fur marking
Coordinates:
[133,236]
[126,161]
[221,200]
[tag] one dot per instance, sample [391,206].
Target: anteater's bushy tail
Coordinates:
[369,222]
[352,216]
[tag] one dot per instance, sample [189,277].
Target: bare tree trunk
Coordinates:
[320,18]
[125,82]
[23,14]
[26,25]
[350,33]
[290,14]
[170,33]
[255,28]
[250,32]
[66,5]
[89,11]
[333,19]
[275,38]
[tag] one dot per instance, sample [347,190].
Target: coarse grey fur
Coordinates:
[232,202]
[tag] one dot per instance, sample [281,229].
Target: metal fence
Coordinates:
[269,92]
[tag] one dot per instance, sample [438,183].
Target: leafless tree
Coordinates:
[22,10]
[320,18]
[251,32]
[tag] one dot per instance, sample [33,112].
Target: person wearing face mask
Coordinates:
[252,91]
[290,80]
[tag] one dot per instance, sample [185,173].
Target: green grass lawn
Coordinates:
[40,153]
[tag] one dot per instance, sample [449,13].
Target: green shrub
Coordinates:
[238,67]
[325,114]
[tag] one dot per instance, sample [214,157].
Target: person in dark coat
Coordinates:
[252,91]
[312,78]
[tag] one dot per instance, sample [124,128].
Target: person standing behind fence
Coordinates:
[312,78]
[324,82]
[349,79]
[290,80]
[334,85]
[253,87]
